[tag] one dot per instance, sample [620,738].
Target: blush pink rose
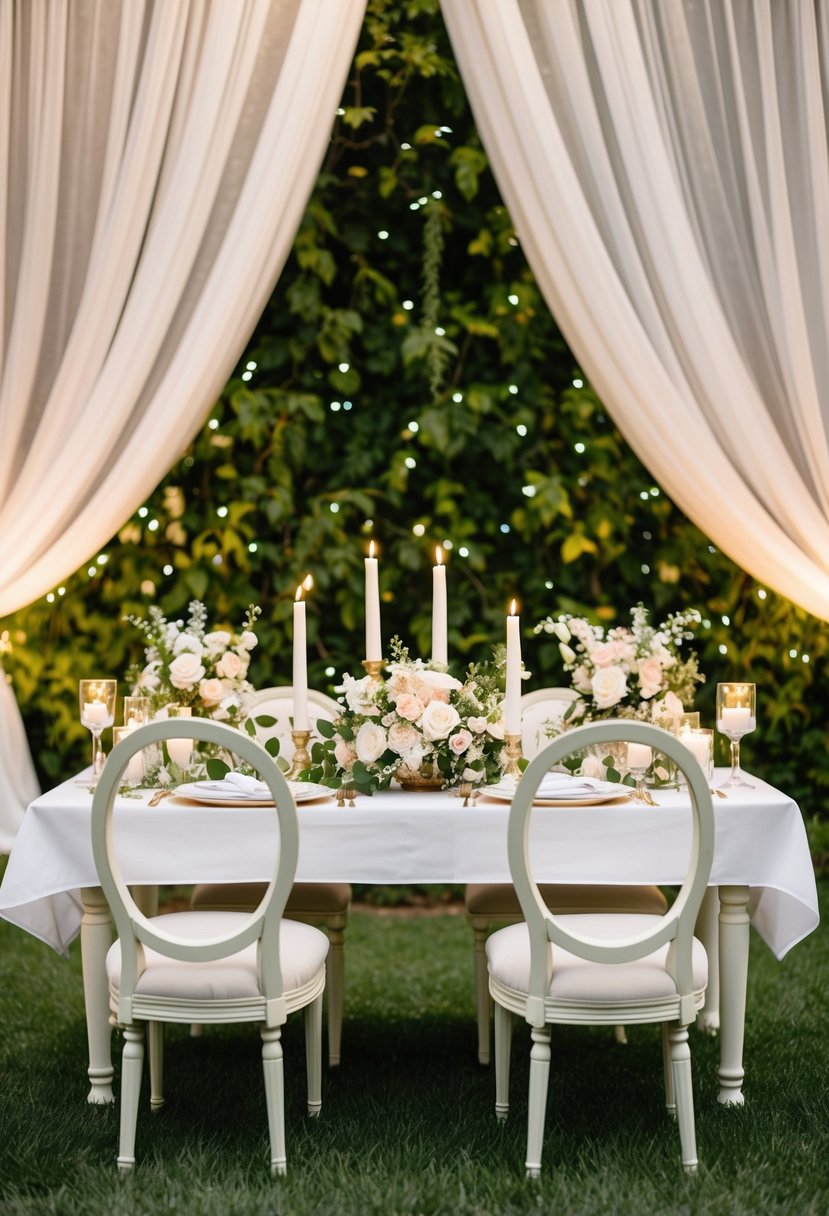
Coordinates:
[409,707]
[402,737]
[344,754]
[607,654]
[460,742]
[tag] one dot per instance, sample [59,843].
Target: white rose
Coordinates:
[186,671]
[438,720]
[403,737]
[609,686]
[248,640]
[217,641]
[478,725]
[591,766]
[370,742]
[187,643]
[229,666]
[211,691]
[358,694]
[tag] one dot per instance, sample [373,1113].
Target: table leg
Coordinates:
[733,979]
[96,938]
[707,930]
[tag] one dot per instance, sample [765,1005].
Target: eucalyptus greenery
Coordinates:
[348,418]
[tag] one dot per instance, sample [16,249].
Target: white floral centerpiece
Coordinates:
[417,724]
[186,664]
[626,672]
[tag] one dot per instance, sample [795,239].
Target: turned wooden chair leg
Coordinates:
[132,1066]
[335,990]
[483,1004]
[155,1033]
[274,1095]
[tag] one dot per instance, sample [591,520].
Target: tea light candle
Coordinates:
[639,755]
[95,713]
[440,645]
[300,659]
[699,745]
[373,648]
[180,751]
[512,699]
[735,721]
[134,772]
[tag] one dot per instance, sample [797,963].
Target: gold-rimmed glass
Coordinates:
[736,717]
[96,700]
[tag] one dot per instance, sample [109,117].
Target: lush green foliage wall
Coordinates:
[407,383]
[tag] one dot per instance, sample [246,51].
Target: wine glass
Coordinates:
[639,760]
[736,716]
[180,750]
[97,706]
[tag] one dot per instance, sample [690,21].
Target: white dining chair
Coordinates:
[496,903]
[324,904]
[209,967]
[601,969]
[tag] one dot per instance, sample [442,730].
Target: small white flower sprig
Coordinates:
[420,719]
[187,665]
[637,672]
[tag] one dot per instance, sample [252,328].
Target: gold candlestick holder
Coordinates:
[513,746]
[373,668]
[302,759]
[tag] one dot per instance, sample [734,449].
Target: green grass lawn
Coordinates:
[407,1123]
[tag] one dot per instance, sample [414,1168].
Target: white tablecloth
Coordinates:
[398,837]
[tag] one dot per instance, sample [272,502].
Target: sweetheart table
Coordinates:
[762,870]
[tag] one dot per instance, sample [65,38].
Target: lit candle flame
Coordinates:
[308,582]
[371,548]
[439,556]
[298,595]
[513,608]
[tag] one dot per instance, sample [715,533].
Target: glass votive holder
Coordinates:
[136,711]
[134,772]
[700,744]
[180,750]
[689,721]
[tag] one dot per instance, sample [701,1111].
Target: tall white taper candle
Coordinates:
[373,647]
[440,644]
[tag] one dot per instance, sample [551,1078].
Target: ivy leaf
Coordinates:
[355,116]
[217,770]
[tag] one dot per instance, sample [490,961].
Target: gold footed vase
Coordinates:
[427,777]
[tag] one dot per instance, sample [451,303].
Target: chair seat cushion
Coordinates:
[499,901]
[577,980]
[302,951]
[325,898]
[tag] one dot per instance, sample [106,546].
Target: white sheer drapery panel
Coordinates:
[666,167]
[18,783]
[155,160]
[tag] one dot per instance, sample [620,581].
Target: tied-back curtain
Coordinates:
[666,166]
[155,160]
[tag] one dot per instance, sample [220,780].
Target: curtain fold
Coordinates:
[155,162]
[667,169]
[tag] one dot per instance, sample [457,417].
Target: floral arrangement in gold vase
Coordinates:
[638,671]
[188,664]
[420,725]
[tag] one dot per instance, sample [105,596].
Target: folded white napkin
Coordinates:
[557,785]
[247,785]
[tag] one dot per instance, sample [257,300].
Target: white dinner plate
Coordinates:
[607,792]
[218,793]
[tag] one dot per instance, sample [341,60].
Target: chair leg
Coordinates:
[620,1035]
[155,1033]
[670,1100]
[684,1093]
[539,1082]
[274,1095]
[503,1049]
[313,1053]
[132,1065]
[335,987]
[483,1004]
